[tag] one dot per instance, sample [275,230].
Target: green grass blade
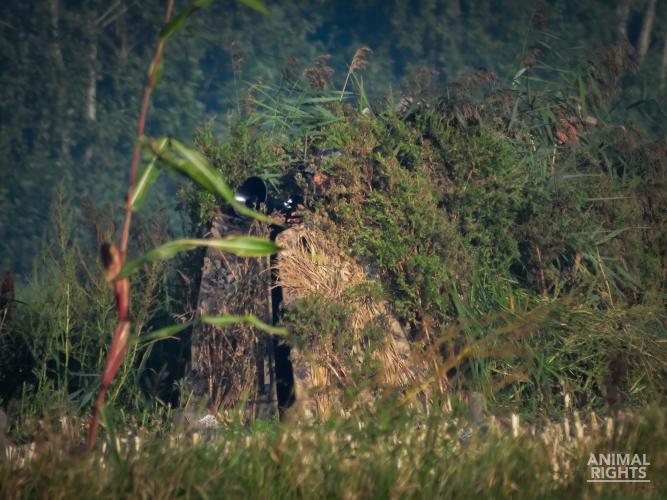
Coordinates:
[196,167]
[177,23]
[161,334]
[251,320]
[243,246]
[147,179]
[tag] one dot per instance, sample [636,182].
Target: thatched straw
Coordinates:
[312,264]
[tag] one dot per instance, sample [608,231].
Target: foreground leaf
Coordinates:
[147,179]
[250,319]
[195,166]
[178,21]
[243,246]
[171,330]
[161,333]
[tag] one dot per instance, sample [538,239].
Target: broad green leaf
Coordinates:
[180,166]
[194,165]
[251,320]
[256,5]
[147,179]
[202,168]
[243,246]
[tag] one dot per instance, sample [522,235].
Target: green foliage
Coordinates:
[514,227]
[253,4]
[322,330]
[613,357]
[243,155]
[190,163]
[249,319]
[490,235]
[148,175]
[296,112]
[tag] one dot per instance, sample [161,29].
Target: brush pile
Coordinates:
[312,271]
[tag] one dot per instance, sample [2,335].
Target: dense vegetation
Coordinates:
[73,72]
[468,206]
[511,220]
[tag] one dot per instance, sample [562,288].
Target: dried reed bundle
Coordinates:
[312,264]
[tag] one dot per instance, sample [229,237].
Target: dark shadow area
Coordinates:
[283,364]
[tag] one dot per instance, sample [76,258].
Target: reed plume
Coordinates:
[319,74]
[358,63]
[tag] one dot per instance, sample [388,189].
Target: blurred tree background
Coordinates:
[72,73]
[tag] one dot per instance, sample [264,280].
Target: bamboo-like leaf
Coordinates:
[147,179]
[201,166]
[243,246]
[251,320]
[195,166]
[256,5]
[178,21]
[179,165]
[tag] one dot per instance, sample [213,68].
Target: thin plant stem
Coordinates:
[122,287]
[141,124]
